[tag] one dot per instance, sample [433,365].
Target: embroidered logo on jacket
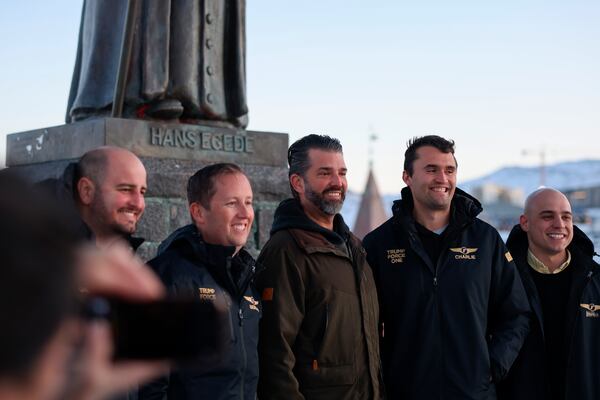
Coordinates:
[395,256]
[464,253]
[207,293]
[253,303]
[591,310]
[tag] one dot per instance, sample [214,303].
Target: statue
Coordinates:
[187,61]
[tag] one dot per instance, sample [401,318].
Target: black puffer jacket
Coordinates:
[190,267]
[527,379]
[453,328]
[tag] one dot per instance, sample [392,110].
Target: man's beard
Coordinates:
[103,217]
[327,206]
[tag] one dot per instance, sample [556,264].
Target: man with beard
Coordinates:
[110,191]
[107,187]
[453,307]
[318,333]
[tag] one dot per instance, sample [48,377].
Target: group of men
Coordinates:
[431,305]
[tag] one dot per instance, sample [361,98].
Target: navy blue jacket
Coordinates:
[190,267]
[528,377]
[450,329]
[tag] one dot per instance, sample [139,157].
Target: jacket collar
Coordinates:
[216,258]
[290,215]
[463,210]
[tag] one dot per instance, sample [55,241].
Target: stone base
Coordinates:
[171,153]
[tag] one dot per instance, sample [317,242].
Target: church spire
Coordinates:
[371,212]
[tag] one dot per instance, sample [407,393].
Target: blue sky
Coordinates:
[497,77]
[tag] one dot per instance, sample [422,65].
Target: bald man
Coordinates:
[110,184]
[561,355]
[106,189]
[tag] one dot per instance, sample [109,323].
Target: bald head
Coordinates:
[541,195]
[111,184]
[548,221]
[94,163]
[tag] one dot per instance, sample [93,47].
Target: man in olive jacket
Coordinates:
[318,334]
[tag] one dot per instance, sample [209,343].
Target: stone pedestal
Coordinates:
[171,153]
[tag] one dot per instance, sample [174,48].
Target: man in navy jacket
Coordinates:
[453,308]
[561,356]
[206,260]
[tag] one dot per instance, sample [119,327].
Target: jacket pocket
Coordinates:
[342,330]
[324,327]
[319,377]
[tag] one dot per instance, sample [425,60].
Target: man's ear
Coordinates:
[406,177]
[198,213]
[86,191]
[297,183]
[524,222]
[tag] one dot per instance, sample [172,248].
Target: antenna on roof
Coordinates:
[372,138]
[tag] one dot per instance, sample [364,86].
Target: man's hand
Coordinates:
[114,272]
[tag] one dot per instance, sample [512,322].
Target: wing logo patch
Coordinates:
[464,253]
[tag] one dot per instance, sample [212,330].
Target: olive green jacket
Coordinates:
[319,331]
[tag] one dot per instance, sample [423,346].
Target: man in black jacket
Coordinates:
[561,356]
[453,308]
[206,260]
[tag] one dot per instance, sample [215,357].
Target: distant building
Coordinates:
[583,198]
[371,212]
[586,210]
[502,206]
[489,193]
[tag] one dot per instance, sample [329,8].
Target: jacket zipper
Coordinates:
[243,345]
[577,317]
[243,288]
[241,291]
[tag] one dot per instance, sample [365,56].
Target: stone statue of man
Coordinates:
[187,62]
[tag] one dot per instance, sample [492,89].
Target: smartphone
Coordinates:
[185,331]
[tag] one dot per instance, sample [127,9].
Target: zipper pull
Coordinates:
[435,282]
[241,316]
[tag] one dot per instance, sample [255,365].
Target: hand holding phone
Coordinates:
[185,331]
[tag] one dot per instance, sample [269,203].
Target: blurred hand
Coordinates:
[112,272]
[116,271]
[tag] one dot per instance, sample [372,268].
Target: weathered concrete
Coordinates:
[145,138]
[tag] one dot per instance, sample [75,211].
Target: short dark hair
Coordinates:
[37,290]
[201,185]
[91,165]
[298,152]
[410,155]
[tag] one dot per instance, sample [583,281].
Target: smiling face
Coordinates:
[117,203]
[322,189]
[228,219]
[548,221]
[433,180]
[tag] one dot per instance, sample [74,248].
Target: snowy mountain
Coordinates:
[562,176]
